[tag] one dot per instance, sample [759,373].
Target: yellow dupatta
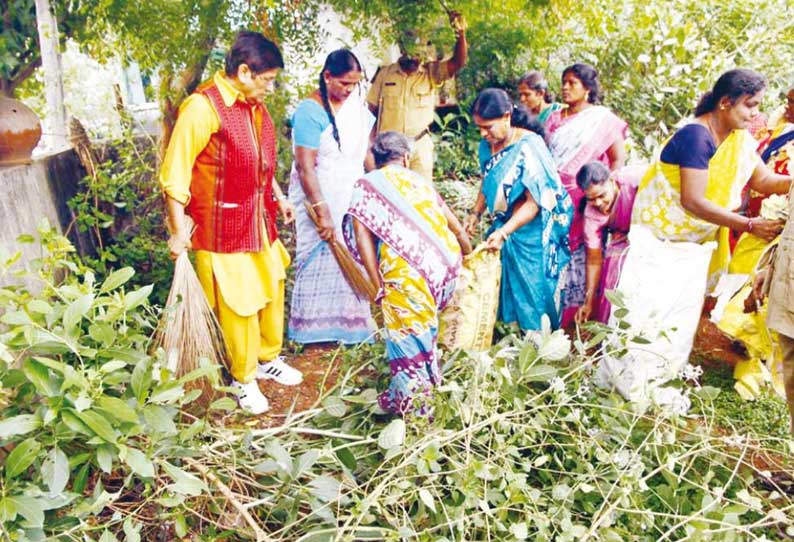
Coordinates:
[658,202]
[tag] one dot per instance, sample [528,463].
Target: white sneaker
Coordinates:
[279,371]
[251,398]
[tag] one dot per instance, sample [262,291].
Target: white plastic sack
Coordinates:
[664,284]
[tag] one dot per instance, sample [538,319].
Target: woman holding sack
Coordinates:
[683,206]
[532,210]
[408,240]
[330,131]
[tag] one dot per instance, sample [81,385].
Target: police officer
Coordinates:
[404,94]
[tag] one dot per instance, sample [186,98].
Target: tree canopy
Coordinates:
[654,57]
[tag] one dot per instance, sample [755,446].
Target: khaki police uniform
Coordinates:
[406,104]
[780,309]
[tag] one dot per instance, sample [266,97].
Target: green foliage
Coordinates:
[766,418]
[19,51]
[654,59]
[88,418]
[122,208]
[521,447]
[456,147]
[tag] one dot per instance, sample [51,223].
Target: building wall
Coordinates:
[31,193]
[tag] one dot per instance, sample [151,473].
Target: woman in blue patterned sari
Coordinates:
[531,210]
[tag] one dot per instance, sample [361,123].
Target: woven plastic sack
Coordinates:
[468,320]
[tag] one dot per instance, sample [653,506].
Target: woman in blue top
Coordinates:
[532,211]
[330,133]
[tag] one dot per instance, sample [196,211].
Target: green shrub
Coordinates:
[122,208]
[88,418]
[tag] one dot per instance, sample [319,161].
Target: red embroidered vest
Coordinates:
[232,184]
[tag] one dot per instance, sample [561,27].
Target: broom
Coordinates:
[360,284]
[189,332]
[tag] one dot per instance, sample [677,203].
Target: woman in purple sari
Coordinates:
[609,200]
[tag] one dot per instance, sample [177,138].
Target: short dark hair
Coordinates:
[734,84]
[254,50]
[592,173]
[588,75]
[389,147]
[493,103]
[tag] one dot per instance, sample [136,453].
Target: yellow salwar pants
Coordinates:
[246,292]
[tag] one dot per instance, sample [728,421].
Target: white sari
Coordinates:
[324,308]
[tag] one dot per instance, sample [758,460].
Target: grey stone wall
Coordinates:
[30,193]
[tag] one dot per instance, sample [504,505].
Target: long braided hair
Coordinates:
[337,63]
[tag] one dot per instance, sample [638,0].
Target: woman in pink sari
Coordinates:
[582,132]
[609,198]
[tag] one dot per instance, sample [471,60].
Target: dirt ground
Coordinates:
[320,371]
[712,347]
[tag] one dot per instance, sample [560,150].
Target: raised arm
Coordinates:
[461,52]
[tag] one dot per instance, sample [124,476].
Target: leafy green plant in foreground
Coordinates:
[88,418]
[97,444]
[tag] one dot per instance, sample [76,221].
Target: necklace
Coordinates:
[712,130]
[332,106]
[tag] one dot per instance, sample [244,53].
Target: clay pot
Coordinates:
[20,131]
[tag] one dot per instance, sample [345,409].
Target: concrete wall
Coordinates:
[32,192]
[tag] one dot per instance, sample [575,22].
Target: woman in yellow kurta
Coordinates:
[410,243]
[683,203]
[239,260]
[776,149]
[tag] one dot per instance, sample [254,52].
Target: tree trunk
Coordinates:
[55,121]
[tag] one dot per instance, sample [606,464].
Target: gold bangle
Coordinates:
[321,202]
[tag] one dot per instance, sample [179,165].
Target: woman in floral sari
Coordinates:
[410,243]
[682,211]
[582,132]
[330,132]
[531,210]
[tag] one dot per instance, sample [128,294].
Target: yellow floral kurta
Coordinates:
[418,258]
[658,203]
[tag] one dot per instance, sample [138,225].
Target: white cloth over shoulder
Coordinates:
[663,284]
